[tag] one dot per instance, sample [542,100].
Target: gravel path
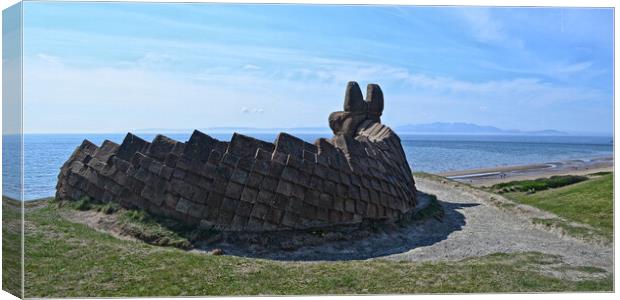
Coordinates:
[481,228]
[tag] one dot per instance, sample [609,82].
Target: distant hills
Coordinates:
[468,128]
[428,128]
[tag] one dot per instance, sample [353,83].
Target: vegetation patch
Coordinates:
[432,210]
[143,226]
[600,173]
[589,202]
[11,246]
[536,185]
[575,230]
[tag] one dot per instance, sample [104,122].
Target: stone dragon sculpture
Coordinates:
[361,173]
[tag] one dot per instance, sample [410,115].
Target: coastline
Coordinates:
[494,175]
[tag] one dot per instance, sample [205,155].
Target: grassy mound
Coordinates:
[589,202]
[141,225]
[539,184]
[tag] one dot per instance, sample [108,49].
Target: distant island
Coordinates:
[469,128]
[427,128]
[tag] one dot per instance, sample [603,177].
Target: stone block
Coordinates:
[269,184]
[329,187]
[214,157]
[244,209]
[274,215]
[254,224]
[229,204]
[238,222]
[264,197]
[160,147]
[260,211]
[294,162]
[234,190]
[276,169]
[239,176]
[279,157]
[288,144]
[280,202]
[254,180]
[219,185]
[171,160]
[214,200]
[130,145]
[325,201]
[199,146]
[360,207]
[308,211]
[166,172]
[349,205]
[322,214]
[197,210]
[312,197]
[246,164]
[295,205]
[245,146]
[284,188]
[249,195]
[334,216]
[224,171]
[183,206]
[262,167]
[230,160]
[224,218]
[262,155]
[290,174]
[290,219]
[338,204]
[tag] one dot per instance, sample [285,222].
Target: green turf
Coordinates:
[11,247]
[64,259]
[539,184]
[589,202]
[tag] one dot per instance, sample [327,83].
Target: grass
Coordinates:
[144,227]
[65,259]
[536,185]
[141,225]
[11,247]
[589,202]
[434,210]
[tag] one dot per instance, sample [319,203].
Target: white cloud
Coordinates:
[486,28]
[251,67]
[256,110]
[129,98]
[49,58]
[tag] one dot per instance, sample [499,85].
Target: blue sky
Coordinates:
[117,67]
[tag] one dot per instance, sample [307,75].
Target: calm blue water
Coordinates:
[45,154]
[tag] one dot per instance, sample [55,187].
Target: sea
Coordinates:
[44,154]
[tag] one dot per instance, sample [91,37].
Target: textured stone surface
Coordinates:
[252,185]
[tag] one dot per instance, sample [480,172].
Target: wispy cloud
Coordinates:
[277,67]
[488,29]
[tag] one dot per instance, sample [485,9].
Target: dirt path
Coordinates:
[484,228]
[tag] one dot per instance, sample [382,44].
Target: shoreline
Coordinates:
[494,175]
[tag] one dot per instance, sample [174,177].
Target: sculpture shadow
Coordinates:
[352,243]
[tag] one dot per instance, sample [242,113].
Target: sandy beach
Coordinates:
[490,176]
